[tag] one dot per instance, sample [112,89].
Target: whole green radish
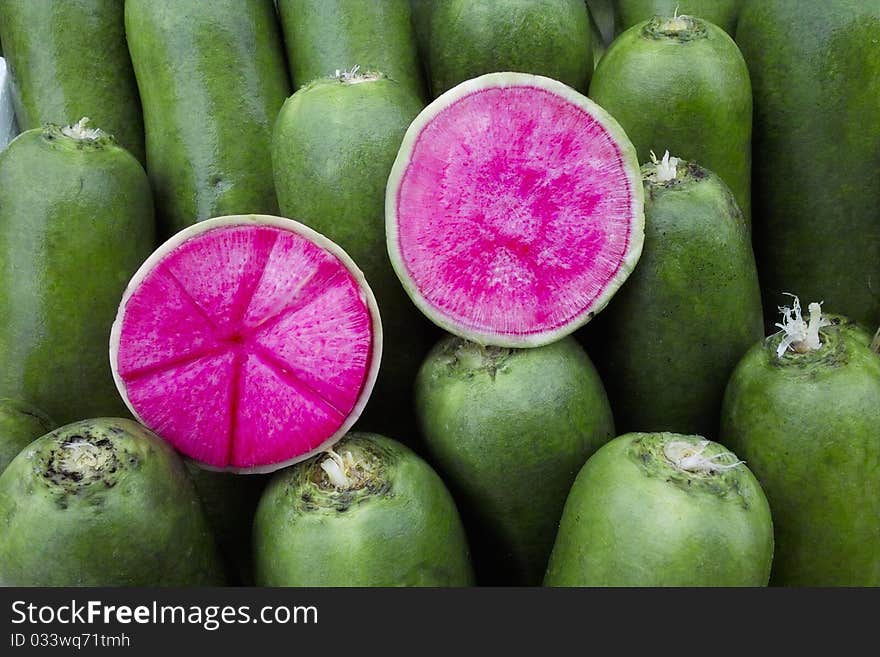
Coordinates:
[324,36]
[723,13]
[370,513]
[681,84]
[803,409]
[669,340]
[663,509]
[212,78]
[68,246]
[509,429]
[545,37]
[333,147]
[815,70]
[102,502]
[20,424]
[68,59]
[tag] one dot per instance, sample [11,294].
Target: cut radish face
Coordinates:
[514,210]
[247,342]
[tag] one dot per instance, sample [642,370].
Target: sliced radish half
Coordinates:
[247,342]
[514,210]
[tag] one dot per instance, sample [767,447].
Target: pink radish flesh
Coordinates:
[514,213]
[245,346]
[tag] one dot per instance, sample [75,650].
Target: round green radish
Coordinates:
[76,221]
[212,78]
[803,409]
[815,70]
[248,342]
[669,340]
[371,513]
[664,80]
[102,502]
[323,36]
[722,13]
[333,147]
[230,502]
[541,189]
[663,509]
[20,424]
[545,37]
[509,429]
[69,59]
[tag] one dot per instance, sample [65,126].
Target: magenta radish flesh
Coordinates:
[514,210]
[247,342]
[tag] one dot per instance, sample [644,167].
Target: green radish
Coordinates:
[669,340]
[230,503]
[421,19]
[815,70]
[803,409]
[333,147]
[602,13]
[663,509]
[723,13]
[509,429]
[20,424]
[324,36]
[68,247]
[598,42]
[663,81]
[102,502]
[68,59]
[212,78]
[371,513]
[545,37]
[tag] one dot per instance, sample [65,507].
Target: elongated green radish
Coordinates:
[103,502]
[545,37]
[324,36]
[663,509]
[369,513]
[20,424]
[602,12]
[67,247]
[669,340]
[508,430]
[230,503]
[69,59]
[723,13]
[803,409]
[681,84]
[815,70]
[212,78]
[333,148]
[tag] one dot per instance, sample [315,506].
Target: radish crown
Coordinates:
[667,168]
[344,471]
[690,457]
[801,336]
[80,131]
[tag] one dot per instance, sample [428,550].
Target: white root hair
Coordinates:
[667,168]
[801,336]
[81,131]
[686,456]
